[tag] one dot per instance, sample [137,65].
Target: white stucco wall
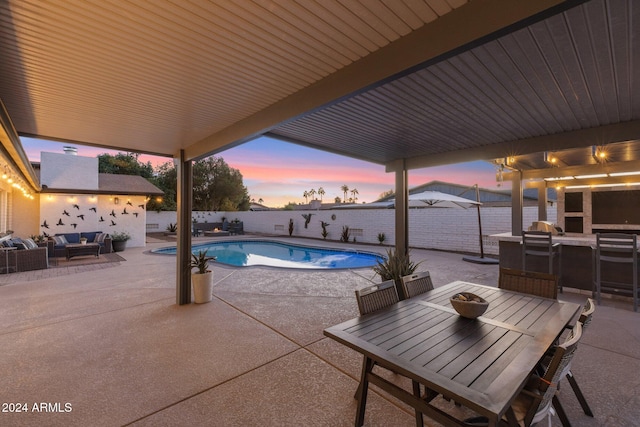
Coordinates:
[68,171]
[434,228]
[61,211]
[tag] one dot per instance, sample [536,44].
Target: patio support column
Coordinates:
[542,203]
[183,253]
[402,207]
[516,203]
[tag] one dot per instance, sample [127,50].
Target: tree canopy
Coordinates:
[216,186]
[124,164]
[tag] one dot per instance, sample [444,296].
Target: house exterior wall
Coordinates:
[4,209]
[62,211]
[68,171]
[434,228]
[27,211]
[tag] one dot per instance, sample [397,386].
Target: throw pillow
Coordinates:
[30,244]
[100,237]
[7,243]
[60,240]
[17,242]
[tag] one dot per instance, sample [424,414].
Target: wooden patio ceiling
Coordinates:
[424,81]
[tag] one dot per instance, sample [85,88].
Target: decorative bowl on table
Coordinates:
[468,305]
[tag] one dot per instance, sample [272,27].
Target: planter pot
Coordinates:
[202,287]
[119,245]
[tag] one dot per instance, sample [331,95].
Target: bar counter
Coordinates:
[577,259]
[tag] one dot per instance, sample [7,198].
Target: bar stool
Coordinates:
[619,248]
[539,243]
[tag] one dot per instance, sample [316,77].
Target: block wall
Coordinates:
[434,228]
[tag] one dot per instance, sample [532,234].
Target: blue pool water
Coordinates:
[241,253]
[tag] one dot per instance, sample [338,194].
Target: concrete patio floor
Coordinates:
[107,346]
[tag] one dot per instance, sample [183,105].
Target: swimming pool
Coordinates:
[243,253]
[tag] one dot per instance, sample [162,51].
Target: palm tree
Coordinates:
[345,189]
[261,200]
[306,196]
[354,192]
[321,193]
[312,193]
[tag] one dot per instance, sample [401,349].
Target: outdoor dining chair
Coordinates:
[537,401]
[540,244]
[585,320]
[528,282]
[376,297]
[616,248]
[416,284]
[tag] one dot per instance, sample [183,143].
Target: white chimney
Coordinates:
[72,151]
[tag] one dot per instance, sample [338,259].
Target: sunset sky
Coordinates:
[280,172]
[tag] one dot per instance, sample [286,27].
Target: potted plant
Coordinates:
[119,241]
[83,240]
[395,266]
[202,277]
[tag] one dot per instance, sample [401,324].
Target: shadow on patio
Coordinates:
[113,345]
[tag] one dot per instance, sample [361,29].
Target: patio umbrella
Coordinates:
[438,199]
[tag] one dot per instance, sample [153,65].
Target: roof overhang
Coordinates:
[428,83]
[13,157]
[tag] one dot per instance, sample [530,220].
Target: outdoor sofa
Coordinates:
[26,257]
[103,239]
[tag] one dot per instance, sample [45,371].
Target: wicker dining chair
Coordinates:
[537,400]
[540,394]
[585,319]
[416,284]
[528,282]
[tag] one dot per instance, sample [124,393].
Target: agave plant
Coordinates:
[201,261]
[346,234]
[397,265]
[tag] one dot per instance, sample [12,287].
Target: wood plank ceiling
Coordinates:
[430,81]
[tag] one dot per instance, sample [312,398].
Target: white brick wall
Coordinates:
[432,228]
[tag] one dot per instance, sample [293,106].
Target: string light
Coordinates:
[14,179]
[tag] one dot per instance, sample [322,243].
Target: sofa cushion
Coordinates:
[71,237]
[30,244]
[60,240]
[18,243]
[99,238]
[90,235]
[6,243]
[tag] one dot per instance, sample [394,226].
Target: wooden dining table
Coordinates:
[480,363]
